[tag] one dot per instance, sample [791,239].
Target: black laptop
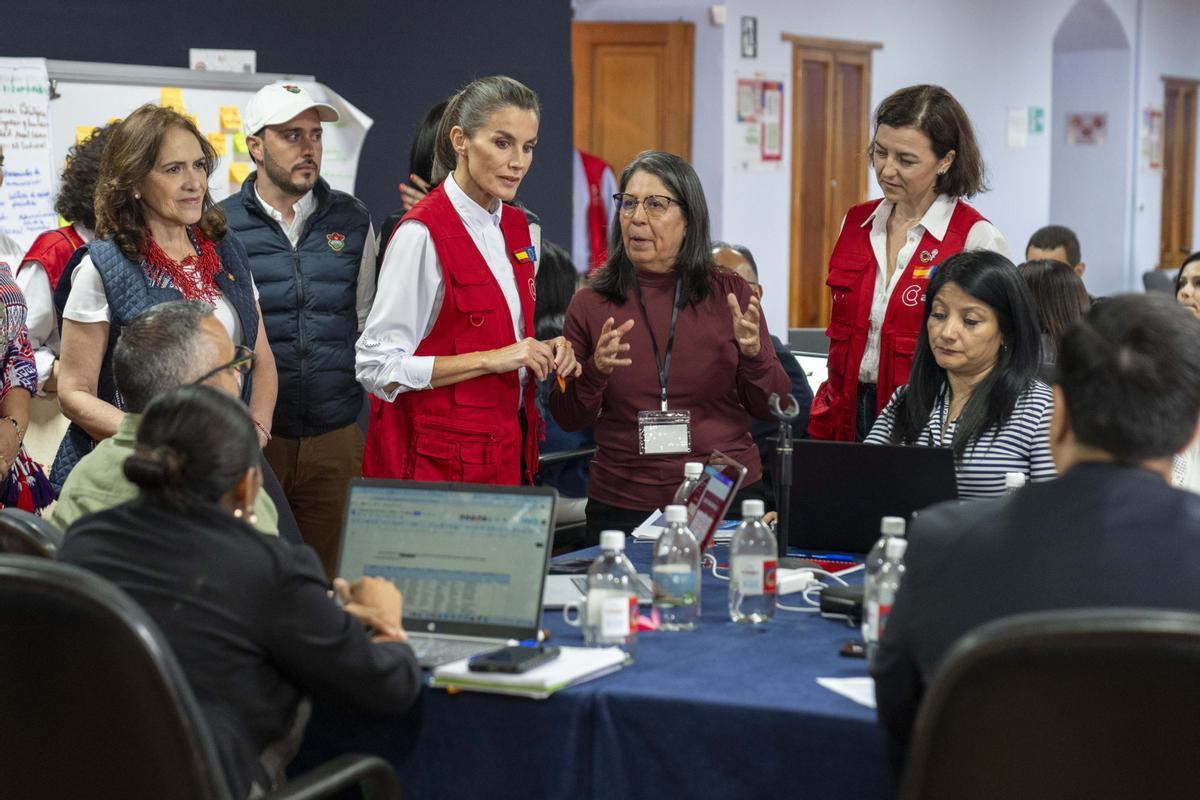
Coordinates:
[841,490]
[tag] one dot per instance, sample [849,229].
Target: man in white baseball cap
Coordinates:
[312,252]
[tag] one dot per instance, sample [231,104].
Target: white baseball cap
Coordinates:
[279,103]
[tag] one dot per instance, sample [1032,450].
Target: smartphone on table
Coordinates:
[513,659]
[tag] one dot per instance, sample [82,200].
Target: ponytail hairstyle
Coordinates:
[194,444]
[470,110]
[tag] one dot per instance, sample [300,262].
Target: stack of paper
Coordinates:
[573,665]
[656,523]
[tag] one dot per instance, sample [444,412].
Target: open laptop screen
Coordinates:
[468,555]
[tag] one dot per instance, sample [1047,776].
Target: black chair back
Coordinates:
[1085,703]
[92,703]
[25,534]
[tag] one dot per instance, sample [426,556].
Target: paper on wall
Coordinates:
[26,207]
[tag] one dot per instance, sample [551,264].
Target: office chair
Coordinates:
[22,533]
[94,704]
[1083,703]
[1159,280]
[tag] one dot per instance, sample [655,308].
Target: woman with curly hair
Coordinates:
[44,262]
[160,237]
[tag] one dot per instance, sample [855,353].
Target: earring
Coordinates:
[137,195]
[237,512]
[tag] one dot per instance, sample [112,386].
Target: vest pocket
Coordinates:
[447,450]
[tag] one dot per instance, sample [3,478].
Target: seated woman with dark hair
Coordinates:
[1060,299]
[973,385]
[247,615]
[1186,467]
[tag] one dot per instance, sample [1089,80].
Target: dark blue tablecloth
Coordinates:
[724,711]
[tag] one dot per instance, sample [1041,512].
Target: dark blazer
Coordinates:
[1101,535]
[248,617]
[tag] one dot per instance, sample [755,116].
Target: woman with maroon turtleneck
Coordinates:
[716,357]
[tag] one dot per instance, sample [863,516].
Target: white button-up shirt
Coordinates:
[410,294]
[302,209]
[982,236]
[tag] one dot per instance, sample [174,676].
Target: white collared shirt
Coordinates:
[302,209]
[42,322]
[410,294]
[982,236]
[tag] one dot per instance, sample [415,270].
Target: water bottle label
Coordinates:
[876,620]
[674,587]
[754,575]
[618,615]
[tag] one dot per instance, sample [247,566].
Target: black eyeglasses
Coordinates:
[242,363]
[655,204]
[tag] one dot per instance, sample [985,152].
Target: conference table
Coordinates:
[727,710]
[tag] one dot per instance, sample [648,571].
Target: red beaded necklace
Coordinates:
[195,276]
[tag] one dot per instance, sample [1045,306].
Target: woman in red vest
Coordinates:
[448,349]
[925,160]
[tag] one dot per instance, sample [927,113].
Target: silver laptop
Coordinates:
[470,560]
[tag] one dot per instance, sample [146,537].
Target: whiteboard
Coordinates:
[86,94]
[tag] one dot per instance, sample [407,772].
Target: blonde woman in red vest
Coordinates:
[448,350]
[926,160]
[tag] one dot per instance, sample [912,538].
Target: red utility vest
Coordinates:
[597,219]
[470,431]
[852,275]
[53,249]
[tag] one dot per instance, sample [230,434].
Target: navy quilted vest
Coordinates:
[308,298]
[129,293]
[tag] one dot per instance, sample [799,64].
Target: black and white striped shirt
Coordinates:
[1021,445]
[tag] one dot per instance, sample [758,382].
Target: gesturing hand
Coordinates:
[529,353]
[745,325]
[411,194]
[564,358]
[609,347]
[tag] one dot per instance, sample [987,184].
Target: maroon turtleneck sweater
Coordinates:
[709,377]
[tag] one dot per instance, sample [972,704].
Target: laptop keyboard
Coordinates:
[433,652]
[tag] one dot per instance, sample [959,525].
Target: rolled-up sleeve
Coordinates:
[408,299]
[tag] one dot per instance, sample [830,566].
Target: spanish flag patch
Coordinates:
[527,254]
[923,273]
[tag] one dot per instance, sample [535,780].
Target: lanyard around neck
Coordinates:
[663,362]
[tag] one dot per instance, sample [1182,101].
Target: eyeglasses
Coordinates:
[655,204]
[242,363]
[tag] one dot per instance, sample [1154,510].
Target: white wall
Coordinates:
[989,53]
[1169,45]
[1090,184]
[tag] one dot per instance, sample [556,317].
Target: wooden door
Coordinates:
[830,126]
[633,88]
[1179,171]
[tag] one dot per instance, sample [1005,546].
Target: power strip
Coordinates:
[790,581]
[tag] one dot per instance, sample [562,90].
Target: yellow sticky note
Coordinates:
[111,120]
[171,97]
[231,119]
[238,172]
[83,132]
[217,140]
[239,144]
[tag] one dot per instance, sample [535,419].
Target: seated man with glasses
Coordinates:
[167,346]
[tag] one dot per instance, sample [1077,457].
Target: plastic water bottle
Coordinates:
[1013,481]
[753,558]
[612,605]
[692,471]
[676,574]
[883,594]
[888,527]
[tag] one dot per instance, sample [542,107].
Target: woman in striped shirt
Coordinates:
[973,385]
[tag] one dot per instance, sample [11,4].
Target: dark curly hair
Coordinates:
[77,192]
[128,158]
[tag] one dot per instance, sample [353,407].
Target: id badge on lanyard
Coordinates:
[662,432]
